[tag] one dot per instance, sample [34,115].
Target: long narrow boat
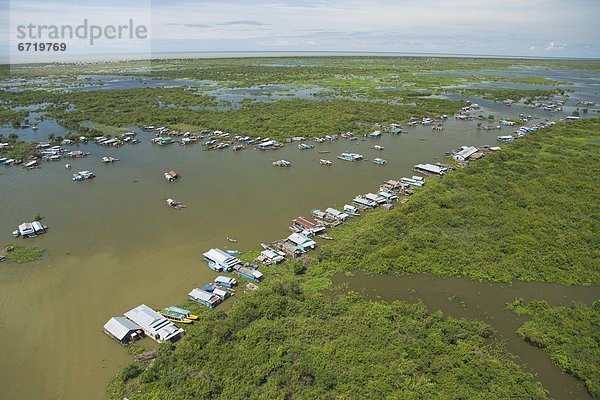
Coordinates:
[175,316]
[182,311]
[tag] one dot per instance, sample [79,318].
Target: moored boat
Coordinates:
[183,311]
[282,163]
[325,162]
[83,175]
[175,316]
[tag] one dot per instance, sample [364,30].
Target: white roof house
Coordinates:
[271,255]
[465,153]
[121,329]
[267,144]
[203,297]
[301,241]
[219,257]
[375,197]
[431,168]
[155,325]
[337,214]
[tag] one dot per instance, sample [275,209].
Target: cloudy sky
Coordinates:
[547,28]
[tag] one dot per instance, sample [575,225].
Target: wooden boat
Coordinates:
[183,311]
[231,240]
[175,316]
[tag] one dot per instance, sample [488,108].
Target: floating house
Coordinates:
[350,157]
[465,153]
[363,202]
[392,184]
[30,229]
[164,140]
[388,196]
[267,145]
[250,273]
[225,281]
[272,257]
[413,182]
[218,260]
[302,242]
[223,294]
[83,175]
[309,225]
[123,330]
[375,197]
[337,214]
[203,297]
[431,169]
[154,325]
[350,209]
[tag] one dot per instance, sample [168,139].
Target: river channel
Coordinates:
[112,244]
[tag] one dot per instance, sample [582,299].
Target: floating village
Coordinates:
[163,323]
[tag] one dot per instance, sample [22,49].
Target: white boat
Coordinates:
[350,156]
[379,161]
[83,175]
[507,138]
[107,160]
[325,162]
[378,147]
[282,163]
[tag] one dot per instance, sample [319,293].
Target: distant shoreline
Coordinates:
[157,56]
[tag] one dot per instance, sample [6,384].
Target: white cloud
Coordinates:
[495,27]
[552,46]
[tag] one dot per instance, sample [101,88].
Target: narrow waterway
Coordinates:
[484,301]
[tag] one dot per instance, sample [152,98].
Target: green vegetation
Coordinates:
[528,212]
[404,83]
[17,150]
[570,335]
[111,110]
[281,342]
[22,254]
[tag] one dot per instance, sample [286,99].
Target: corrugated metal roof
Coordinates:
[224,279]
[201,295]
[221,258]
[120,327]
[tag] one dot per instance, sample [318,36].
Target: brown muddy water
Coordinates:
[113,244]
[484,301]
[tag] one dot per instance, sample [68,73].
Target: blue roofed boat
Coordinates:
[208,288]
